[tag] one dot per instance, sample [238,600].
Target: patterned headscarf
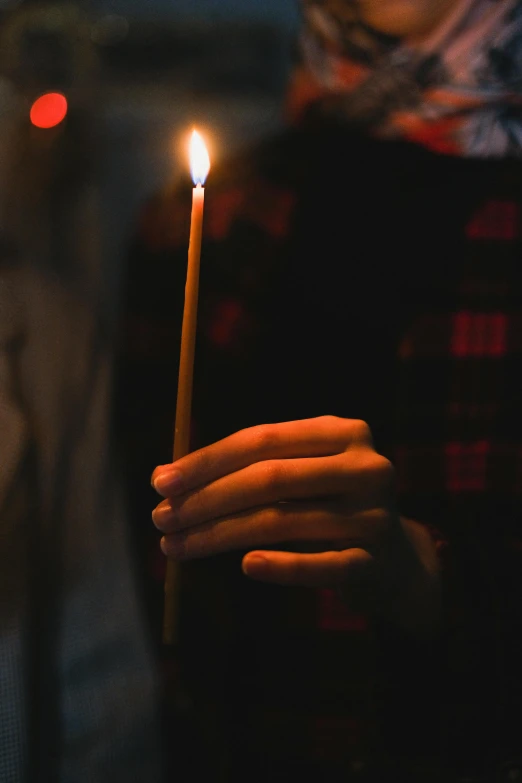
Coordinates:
[457,91]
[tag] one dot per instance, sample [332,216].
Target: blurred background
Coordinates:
[75,175]
[159,66]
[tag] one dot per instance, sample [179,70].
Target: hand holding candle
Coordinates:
[313,504]
[199,165]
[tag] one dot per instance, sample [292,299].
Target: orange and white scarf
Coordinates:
[458,91]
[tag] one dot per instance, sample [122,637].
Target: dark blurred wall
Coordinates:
[281,12]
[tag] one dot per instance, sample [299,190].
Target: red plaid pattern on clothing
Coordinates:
[460,389]
[478,334]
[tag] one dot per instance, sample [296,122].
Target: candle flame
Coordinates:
[199,160]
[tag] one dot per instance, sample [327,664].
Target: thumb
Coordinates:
[326,569]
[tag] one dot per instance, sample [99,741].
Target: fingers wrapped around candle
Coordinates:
[317,481]
[319,437]
[323,530]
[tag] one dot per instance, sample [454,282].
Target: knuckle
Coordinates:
[330,419]
[381,517]
[360,431]
[386,471]
[382,477]
[264,437]
[337,425]
[271,476]
[276,522]
[380,521]
[270,518]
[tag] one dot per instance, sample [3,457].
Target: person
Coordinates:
[78,690]
[364,263]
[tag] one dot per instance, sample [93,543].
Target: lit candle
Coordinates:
[199,166]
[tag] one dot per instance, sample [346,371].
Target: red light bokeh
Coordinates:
[49,110]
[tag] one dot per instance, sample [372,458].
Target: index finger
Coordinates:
[319,437]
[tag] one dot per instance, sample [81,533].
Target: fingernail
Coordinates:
[173,547]
[169,483]
[165,518]
[255,565]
